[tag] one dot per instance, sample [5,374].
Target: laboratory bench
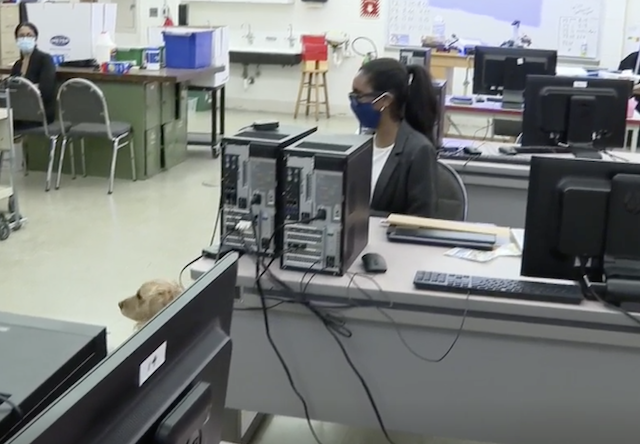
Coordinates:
[153,102]
[497,192]
[522,372]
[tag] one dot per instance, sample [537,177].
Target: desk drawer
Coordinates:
[9,17]
[152,151]
[9,52]
[152,102]
[168,96]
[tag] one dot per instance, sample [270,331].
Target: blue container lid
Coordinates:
[185,31]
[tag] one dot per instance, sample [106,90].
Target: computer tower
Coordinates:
[251,162]
[327,191]
[441,93]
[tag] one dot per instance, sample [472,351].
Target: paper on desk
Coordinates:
[484,256]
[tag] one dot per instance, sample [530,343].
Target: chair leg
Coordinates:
[316,93]
[25,157]
[72,158]
[53,142]
[63,149]
[299,98]
[132,153]
[112,173]
[326,93]
[307,105]
[83,158]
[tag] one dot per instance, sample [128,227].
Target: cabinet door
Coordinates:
[168,102]
[153,102]
[126,21]
[152,147]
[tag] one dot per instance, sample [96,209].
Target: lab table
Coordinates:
[521,372]
[493,111]
[153,102]
[497,192]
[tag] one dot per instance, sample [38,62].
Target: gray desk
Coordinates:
[498,192]
[522,373]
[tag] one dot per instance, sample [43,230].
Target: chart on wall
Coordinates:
[570,26]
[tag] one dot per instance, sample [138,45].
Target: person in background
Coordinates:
[399,103]
[36,66]
[629,62]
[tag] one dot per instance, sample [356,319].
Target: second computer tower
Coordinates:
[327,191]
[251,162]
[440,87]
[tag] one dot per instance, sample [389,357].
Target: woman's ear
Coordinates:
[384,101]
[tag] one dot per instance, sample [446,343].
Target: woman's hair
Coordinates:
[26,25]
[412,88]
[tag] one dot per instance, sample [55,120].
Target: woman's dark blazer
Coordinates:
[42,72]
[407,182]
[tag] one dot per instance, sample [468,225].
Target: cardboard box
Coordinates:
[72,29]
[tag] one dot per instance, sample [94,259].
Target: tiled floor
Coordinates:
[82,251]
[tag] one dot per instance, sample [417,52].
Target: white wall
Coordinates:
[275,90]
[144,21]
[277,87]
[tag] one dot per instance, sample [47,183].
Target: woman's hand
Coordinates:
[636,89]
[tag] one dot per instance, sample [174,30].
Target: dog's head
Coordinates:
[152,297]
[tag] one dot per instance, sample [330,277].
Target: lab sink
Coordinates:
[250,55]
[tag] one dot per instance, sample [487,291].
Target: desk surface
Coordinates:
[492,148]
[403,260]
[487,107]
[135,76]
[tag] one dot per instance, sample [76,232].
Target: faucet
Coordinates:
[291,38]
[249,35]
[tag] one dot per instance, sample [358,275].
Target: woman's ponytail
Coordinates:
[421,109]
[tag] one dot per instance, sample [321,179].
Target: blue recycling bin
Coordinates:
[188,48]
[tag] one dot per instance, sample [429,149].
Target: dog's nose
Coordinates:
[121,304]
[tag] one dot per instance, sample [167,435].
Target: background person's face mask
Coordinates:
[26,45]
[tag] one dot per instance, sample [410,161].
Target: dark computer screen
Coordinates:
[503,71]
[166,385]
[575,110]
[582,210]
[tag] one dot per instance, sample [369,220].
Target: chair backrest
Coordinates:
[452,194]
[26,101]
[82,101]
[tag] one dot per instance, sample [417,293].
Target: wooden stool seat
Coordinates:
[313,78]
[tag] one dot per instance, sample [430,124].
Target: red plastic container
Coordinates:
[314,48]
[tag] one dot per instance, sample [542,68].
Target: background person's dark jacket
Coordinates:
[407,182]
[629,62]
[42,72]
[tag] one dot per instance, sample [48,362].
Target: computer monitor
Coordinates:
[578,112]
[584,211]
[503,71]
[415,56]
[166,385]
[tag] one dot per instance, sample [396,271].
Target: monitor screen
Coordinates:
[166,384]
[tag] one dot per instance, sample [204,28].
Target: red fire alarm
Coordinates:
[370,8]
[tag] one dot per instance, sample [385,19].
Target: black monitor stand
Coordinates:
[584,151]
[622,242]
[579,150]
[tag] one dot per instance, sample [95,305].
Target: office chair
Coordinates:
[82,104]
[27,107]
[452,194]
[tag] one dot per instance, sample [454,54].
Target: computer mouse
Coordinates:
[374,263]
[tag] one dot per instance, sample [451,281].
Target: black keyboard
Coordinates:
[513,160]
[499,288]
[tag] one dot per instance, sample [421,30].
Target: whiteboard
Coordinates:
[573,27]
